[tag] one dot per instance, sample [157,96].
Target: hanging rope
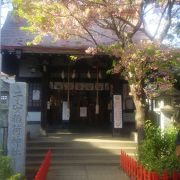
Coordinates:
[97,90]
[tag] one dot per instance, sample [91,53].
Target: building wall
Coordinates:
[31,68]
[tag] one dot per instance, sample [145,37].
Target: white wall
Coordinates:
[34,116]
[33,124]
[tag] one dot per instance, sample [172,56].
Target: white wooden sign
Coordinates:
[65,111]
[83,111]
[36,95]
[117,104]
[79,86]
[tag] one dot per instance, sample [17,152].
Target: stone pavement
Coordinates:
[89,157]
[79,156]
[87,173]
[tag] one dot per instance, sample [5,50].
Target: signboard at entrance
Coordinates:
[117,114]
[83,111]
[65,111]
[36,95]
[79,86]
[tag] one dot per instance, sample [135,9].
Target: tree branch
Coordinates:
[115,27]
[169,16]
[139,23]
[125,21]
[158,26]
[103,34]
[176,11]
[108,26]
[82,26]
[82,37]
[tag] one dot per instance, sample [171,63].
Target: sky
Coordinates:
[153,16]
[4,10]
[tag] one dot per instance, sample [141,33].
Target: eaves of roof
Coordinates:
[44,50]
[13,38]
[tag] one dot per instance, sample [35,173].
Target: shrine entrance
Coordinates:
[83,107]
[79,92]
[84,110]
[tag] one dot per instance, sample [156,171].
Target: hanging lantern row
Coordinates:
[73,76]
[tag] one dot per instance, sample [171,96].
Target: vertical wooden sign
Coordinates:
[117,111]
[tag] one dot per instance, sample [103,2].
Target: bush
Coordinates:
[6,172]
[157,151]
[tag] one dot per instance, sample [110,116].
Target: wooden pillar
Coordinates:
[44,98]
[117,90]
[117,84]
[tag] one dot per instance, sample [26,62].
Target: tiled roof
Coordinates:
[12,36]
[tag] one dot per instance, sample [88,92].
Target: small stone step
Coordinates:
[81,144]
[76,162]
[80,139]
[81,148]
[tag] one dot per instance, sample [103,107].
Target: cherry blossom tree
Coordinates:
[144,66]
[149,72]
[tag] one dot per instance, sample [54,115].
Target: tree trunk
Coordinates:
[140,113]
[140,120]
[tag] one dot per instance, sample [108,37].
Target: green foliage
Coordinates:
[16,177]
[35,41]
[114,49]
[5,168]
[72,58]
[6,172]
[157,151]
[148,67]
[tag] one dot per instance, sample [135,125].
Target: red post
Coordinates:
[137,171]
[155,176]
[126,163]
[134,169]
[175,175]
[140,172]
[129,166]
[121,160]
[144,173]
[165,175]
[42,172]
[149,175]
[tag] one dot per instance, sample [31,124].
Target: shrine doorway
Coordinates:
[83,110]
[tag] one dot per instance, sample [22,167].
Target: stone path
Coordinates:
[79,156]
[87,173]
